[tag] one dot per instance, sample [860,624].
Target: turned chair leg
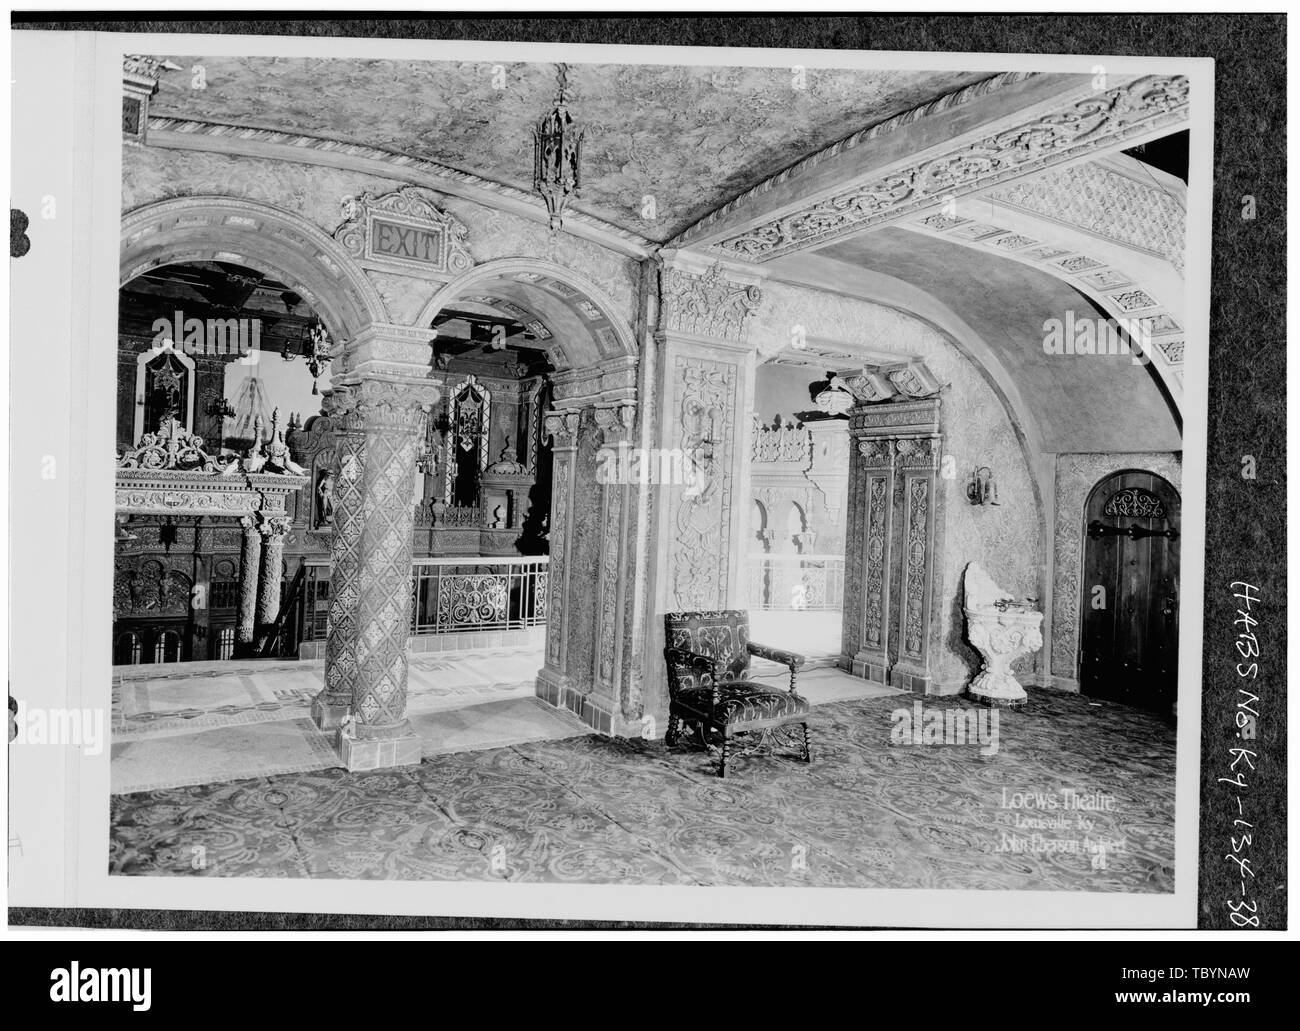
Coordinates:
[722,764]
[673,731]
[807,744]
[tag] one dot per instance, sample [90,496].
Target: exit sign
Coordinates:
[408,243]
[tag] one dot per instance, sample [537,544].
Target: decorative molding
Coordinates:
[403,231]
[707,304]
[1105,202]
[259,235]
[1066,264]
[290,146]
[857,139]
[1101,120]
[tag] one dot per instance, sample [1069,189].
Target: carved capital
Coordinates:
[707,304]
[876,454]
[615,422]
[274,530]
[562,427]
[377,404]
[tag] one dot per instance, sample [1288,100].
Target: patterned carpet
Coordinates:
[866,813]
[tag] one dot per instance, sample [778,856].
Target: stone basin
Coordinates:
[1001,630]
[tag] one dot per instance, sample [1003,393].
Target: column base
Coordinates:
[378,753]
[867,665]
[328,716]
[552,687]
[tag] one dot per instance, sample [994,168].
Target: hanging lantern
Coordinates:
[557,153]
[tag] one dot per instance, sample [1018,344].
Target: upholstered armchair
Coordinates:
[708,657]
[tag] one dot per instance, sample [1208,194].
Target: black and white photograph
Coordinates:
[572,480]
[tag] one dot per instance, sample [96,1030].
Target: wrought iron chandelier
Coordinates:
[316,350]
[557,154]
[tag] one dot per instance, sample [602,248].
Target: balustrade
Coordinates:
[453,595]
[796,582]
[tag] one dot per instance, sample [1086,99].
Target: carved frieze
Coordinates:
[707,304]
[1100,120]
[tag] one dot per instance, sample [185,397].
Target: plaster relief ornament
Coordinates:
[172,447]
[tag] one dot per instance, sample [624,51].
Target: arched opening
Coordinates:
[223,349]
[536,369]
[1128,633]
[798,467]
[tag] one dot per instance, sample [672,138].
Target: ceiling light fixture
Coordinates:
[557,154]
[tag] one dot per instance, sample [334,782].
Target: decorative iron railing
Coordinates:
[435,513]
[455,594]
[796,582]
[451,595]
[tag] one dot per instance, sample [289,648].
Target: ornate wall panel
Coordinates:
[890,553]
[704,409]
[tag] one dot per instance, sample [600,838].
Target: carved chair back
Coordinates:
[720,635]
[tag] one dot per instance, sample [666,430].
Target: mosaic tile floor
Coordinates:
[181,698]
[866,813]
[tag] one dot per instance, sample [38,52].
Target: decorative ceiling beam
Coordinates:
[217,138]
[975,141]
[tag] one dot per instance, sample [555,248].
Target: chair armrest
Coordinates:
[792,659]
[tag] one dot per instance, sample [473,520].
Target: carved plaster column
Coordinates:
[562,427]
[250,563]
[273,531]
[383,411]
[704,392]
[617,511]
[332,705]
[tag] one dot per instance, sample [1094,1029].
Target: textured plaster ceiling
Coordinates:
[691,137]
[1081,402]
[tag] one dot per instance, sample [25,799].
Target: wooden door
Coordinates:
[1129,636]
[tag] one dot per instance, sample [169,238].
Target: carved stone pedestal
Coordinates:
[1001,631]
[1000,639]
[328,716]
[364,752]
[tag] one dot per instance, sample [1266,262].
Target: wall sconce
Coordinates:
[982,488]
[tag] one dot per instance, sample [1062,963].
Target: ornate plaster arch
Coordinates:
[211,228]
[553,292]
